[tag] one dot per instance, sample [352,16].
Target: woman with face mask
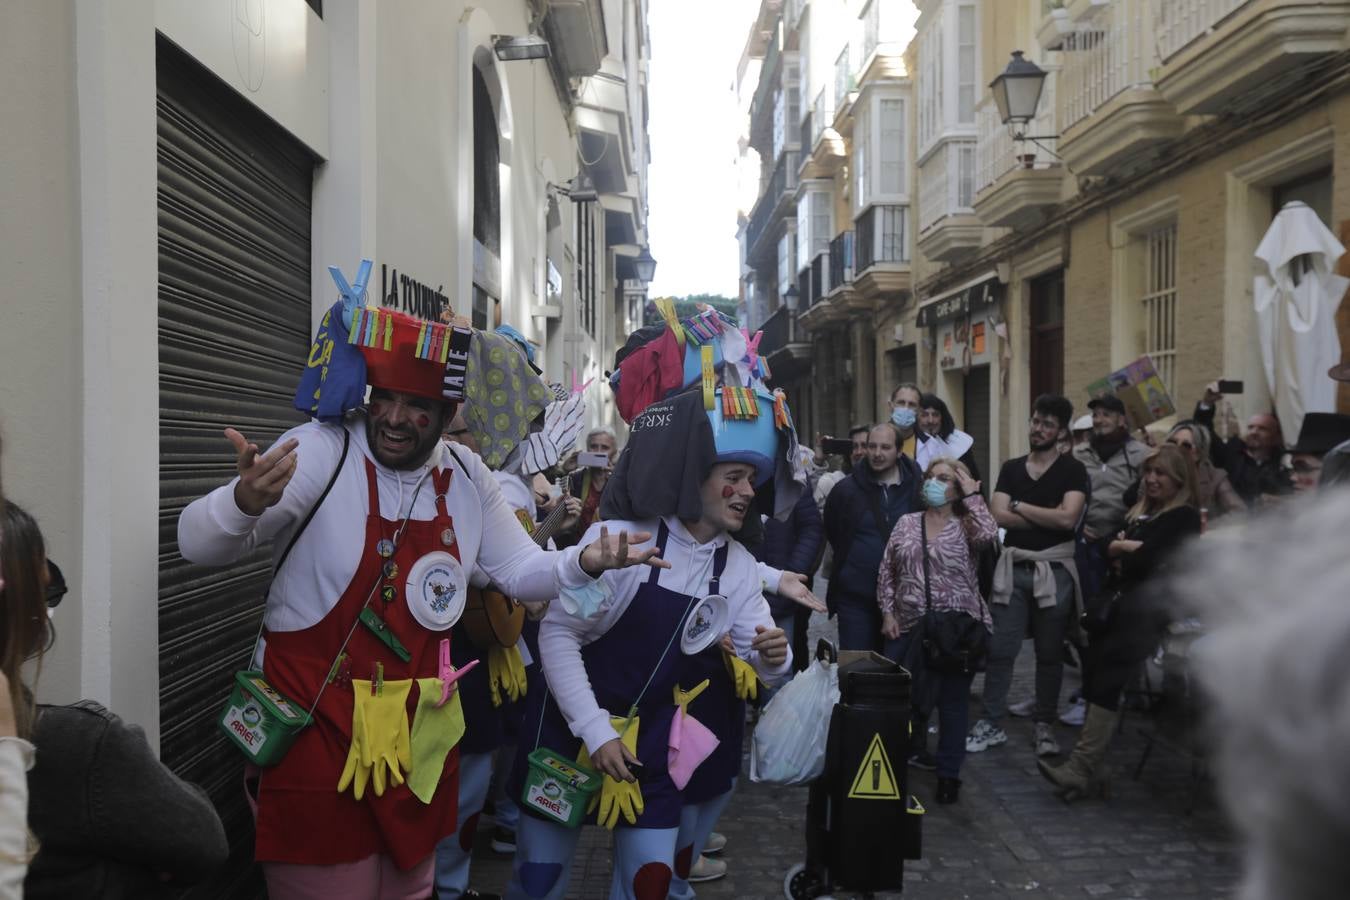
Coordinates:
[955,526]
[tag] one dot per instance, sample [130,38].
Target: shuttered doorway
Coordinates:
[234,321]
[977,409]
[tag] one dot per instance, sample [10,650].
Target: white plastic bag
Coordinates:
[789,742]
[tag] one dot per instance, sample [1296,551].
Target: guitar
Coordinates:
[490,617]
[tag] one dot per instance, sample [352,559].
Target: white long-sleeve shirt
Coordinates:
[563,634]
[16,758]
[212,530]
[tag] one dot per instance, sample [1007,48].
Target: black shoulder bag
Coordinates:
[954,641]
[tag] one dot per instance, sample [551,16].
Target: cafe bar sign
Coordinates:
[972,300]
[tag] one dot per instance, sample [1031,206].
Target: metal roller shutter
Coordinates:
[234,321]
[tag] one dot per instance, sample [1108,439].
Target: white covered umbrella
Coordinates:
[1297,293]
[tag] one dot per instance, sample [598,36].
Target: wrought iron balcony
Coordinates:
[841,260]
[882,237]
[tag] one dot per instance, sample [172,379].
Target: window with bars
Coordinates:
[843,78]
[821,228]
[966,92]
[1160,301]
[792,89]
[871,19]
[892,133]
[787,267]
[779,123]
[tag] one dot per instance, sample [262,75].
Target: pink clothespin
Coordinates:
[449,674]
[752,345]
[578,388]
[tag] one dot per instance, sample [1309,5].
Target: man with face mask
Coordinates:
[859,516]
[906,404]
[377,523]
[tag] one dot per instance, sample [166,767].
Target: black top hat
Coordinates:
[1321,432]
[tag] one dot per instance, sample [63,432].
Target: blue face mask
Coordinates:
[904,417]
[935,493]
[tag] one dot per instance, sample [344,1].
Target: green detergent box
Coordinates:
[261,722]
[559,788]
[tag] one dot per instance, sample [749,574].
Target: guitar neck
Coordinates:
[549,527]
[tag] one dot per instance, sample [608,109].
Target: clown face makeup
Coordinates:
[402,429]
[726,494]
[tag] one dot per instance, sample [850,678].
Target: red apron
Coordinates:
[301,816]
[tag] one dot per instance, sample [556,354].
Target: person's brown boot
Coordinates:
[1085,771]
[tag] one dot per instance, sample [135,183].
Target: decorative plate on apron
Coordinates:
[708,621]
[437,590]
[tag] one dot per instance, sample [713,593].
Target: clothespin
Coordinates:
[449,674]
[353,295]
[578,388]
[709,380]
[752,345]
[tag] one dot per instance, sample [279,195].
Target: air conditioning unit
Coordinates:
[576,35]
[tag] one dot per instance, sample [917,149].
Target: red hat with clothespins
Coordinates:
[410,355]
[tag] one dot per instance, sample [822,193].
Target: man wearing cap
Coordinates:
[374,525]
[1114,460]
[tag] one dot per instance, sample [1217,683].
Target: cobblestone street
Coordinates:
[1008,837]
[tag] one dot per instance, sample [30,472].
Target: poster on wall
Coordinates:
[1140,389]
[963,343]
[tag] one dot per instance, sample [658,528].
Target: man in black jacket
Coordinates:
[859,516]
[792,546]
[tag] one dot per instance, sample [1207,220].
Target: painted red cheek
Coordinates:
[423,420]
[728,491]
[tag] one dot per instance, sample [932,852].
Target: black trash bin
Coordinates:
[862,823]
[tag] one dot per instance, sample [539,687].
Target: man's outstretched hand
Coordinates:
[262,476]
[611,552]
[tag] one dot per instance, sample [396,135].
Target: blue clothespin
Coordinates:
[353,295]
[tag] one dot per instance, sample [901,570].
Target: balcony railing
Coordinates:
[780,329]
[844,80]
[808,137]
[768,75]
[997,154]
[1182,21]
[820,275]
[841,260]
[1105,58]
[783,181]
[882,237]
[822,114]
[805,299]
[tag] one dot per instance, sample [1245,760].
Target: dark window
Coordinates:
[1313,189]
[487,200]
[1047,334]
[586,266]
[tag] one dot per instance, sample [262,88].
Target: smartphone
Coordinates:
[1229,387]
[593,460]
[842,446]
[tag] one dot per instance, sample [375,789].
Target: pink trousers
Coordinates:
[373,878]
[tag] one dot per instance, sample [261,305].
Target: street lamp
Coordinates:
[580,189]
[1017,92]
[645,266]
[509,48]
[790,296]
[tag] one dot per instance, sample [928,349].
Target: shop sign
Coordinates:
[963,343]
[407,294]
[970,301]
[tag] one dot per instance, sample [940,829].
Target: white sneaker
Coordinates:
[1045,742]
[706,869]
[1076,714]
[1024,709]
[716,844]
[983,736]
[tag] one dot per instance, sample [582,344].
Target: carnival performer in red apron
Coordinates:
[374,525]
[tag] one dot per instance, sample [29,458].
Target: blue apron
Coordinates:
[641,649]
[723,713]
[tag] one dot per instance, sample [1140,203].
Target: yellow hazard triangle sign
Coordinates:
[875,779]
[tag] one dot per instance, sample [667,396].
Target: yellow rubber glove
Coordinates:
[617,797]
[355,769]
[435,732]
[506,674]
[743,676]
[386,749]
